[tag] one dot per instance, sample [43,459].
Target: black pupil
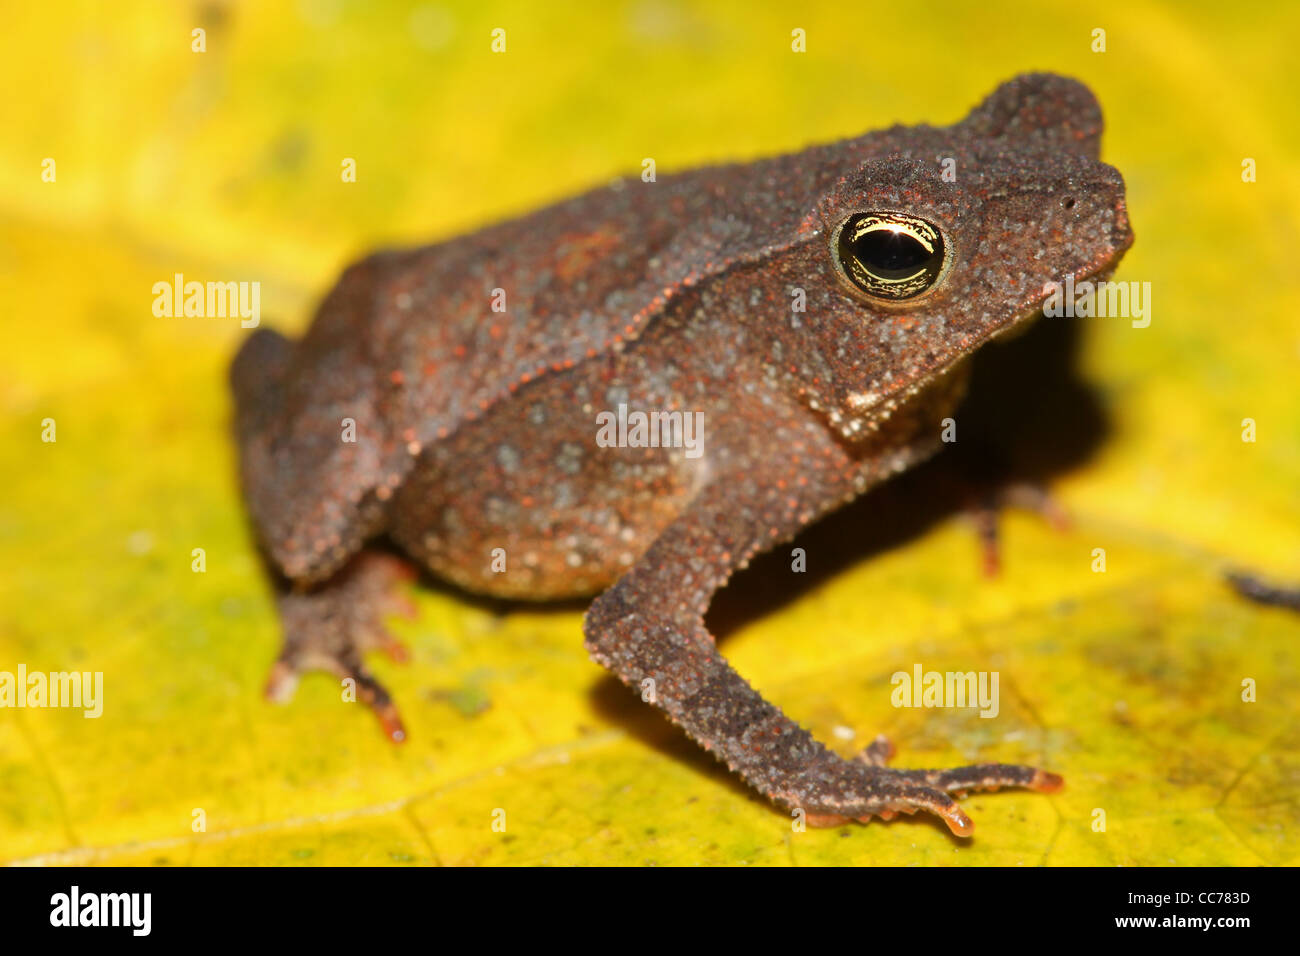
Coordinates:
[889,254]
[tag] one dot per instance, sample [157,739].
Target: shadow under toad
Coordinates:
[1027,418]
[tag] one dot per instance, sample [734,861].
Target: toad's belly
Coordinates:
[538,516]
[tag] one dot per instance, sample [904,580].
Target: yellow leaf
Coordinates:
[226,164]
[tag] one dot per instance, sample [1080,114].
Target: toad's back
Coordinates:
[411,344]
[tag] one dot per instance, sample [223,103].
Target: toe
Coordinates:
[992,776]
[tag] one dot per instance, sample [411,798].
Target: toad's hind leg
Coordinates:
[317,455]
[309,499]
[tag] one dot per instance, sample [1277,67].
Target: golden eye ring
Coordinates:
[893,257]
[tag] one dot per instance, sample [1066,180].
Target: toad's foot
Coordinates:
[986,509]
[835,791]
[329,627]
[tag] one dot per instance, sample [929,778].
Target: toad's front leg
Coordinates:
[649,630]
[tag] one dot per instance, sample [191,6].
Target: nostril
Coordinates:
[1067,202]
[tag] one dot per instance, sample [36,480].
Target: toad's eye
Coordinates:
[889,255]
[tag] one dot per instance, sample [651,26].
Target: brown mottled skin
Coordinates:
[476,429]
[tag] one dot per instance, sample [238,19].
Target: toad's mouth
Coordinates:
[1031,308]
